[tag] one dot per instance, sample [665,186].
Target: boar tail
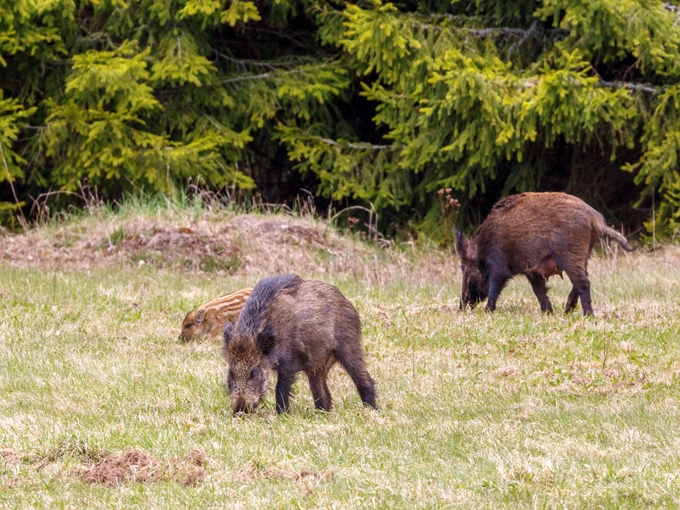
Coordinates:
[618,236]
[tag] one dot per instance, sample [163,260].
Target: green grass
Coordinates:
[509,409]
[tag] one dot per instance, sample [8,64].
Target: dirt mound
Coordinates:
[221,242]
[140,467]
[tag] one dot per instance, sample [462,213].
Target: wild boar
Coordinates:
[538,235]
[290,325]
[209,318]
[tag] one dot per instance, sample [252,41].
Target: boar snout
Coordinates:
[469,300]
[240,407]
[246,386]
[475,288]
[244,403]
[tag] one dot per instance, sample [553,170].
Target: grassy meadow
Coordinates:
[477,410]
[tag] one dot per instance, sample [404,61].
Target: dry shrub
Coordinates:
[140,467]
[10,456]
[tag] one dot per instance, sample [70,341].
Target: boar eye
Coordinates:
[253,373]
[230,375]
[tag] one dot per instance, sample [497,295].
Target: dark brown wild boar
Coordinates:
[538,235]
[290,325]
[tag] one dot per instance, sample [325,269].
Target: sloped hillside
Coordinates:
[222,242]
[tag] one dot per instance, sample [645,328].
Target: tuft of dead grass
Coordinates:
[137,466]
[10,456]
[255,471]
[132,466]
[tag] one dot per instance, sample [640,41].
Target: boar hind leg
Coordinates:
[581,283]
[365,386]
[538,284]
[572,300]
[320,393]
[351,359]
[584,294]
[284,384]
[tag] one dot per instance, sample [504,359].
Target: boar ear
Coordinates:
[200,315]
[266,340]
[465,248]
[461,244]
[227,333]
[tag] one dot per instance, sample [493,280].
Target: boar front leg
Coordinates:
[496,284]
[538,284]
[284,384]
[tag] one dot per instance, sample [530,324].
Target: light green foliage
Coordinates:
[32,27]
[347,169]
[607,30]
[98,130]
[381,101]
[378,40]
[179,62]
[205,8]
[495,113]
[240,12]
[152,93]
[11,115]
[658,167]
[461,88]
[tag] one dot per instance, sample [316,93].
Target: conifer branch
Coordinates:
[274,74]
[618,84]
[359,146]
[272,65]
[483,32]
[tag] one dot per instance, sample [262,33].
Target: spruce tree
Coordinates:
[380,102]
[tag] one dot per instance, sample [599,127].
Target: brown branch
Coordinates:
[360,146]
[617,84]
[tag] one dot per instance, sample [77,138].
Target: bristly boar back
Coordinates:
[538,235]
[290,325]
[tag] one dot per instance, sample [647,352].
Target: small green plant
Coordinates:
[117,237]
[214,263]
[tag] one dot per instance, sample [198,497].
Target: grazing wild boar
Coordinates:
[291,325]
[209,318]
[538,235]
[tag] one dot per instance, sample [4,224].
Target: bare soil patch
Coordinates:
[133,466]
[136,466]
